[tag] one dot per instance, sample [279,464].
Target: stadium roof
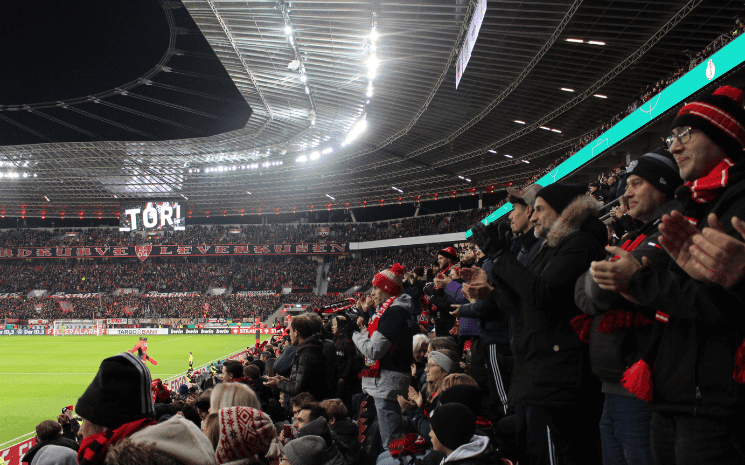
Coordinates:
[214,102]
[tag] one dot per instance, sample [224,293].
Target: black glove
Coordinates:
[351,328]
[494,239]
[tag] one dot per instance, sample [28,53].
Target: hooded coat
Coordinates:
[551,362]
[477,452]
[319,427]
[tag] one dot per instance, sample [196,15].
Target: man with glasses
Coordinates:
[697,371]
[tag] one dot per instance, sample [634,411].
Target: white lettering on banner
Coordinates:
[13,454]
[170,294]
[138,331]
[264,292]
[10,295]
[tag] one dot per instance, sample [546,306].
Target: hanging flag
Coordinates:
[65,306]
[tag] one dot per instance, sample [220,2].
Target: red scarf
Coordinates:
[706,189]
[373,370]
[612,320]
[94,447]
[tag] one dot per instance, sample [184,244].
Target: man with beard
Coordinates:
[551,380]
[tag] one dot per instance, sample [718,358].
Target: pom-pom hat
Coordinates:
[390,280]
[718,115]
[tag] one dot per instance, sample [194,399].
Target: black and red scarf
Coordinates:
[94,447]
[614,319]
[373,369]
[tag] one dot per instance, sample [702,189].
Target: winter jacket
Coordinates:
[477,452]
[440,310]
[346,431]
[283,364]
[612,353]
[308,373]
[550,360]
[392,345]
[693,368]
[492,322]
[344,358]
[319,427]
[466,326]
[64,442]
[329,364]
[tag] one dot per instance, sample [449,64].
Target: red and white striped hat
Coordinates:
[390,280]
[718,115]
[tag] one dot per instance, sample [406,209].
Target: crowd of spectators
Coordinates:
[535,343]
[158,306]
[159,276]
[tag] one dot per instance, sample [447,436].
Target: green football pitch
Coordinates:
[42,374]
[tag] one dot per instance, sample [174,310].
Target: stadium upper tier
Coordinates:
[247,234]
[347,99]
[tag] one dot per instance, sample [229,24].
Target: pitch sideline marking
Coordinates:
[183,337]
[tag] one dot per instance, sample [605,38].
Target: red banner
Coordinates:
[65,306]
[13,454]
[244,330]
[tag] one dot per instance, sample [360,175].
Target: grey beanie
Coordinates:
[307,450]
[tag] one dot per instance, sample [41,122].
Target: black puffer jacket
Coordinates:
[551,363]
[308,372]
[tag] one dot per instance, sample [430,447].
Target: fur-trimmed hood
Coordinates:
[580,215]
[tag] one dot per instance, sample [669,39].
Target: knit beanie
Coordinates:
[119,393]
[720,116]
[526,195]
[659,169]
[465,394]
[178,438]
[453,424]
[390,280]
[559,196]
[244,432]
[450,253]
[307,450]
